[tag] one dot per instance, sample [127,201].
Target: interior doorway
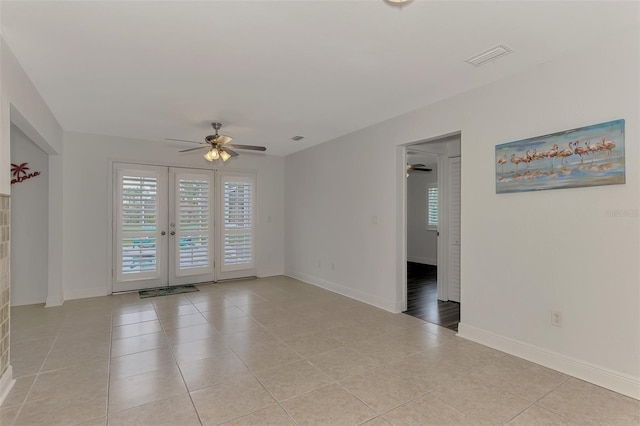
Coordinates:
[433,231]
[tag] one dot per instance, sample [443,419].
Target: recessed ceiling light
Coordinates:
[489,55]
[297,138]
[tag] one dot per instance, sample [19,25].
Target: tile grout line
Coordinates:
[334,381]
[540,399]
[106,415]
[176,361]
[55,339]
[251,371]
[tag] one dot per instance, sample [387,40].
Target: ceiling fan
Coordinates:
[417,168]
[218,146]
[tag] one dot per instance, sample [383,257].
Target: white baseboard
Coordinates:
[423,260]
[613,380]
[27,301]
[387,305]
[84,293]
[264,273]
[53,301]
[6,383]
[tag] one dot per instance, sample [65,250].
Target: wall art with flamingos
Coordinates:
[586,156]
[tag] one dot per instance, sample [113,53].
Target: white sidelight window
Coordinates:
[237,202]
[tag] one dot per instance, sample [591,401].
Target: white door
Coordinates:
[163,220]
[191,226]
[140,219]
[454,229]
[236,237]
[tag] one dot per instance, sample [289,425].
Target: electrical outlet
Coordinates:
[556,318]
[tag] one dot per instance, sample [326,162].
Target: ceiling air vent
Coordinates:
[297,138]
[488,56]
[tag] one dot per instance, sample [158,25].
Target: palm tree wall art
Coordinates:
[20,173]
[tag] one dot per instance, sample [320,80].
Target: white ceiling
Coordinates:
[269,70]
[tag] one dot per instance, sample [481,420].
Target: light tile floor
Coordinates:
[275,351]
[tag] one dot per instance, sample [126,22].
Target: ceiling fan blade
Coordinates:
[180,140]
[416,165]
[420,169]
[193,149]
[229,151]
[223,139]
[251,147]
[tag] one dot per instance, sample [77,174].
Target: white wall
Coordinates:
[22,105]
[422,243]
[522,254]
[87,198]
[29,224]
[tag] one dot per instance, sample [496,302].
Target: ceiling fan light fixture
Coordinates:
[224,155]
[212,155]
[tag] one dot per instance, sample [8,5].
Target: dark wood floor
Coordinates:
[422,297]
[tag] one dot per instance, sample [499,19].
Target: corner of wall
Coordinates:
[264,273]
[378,302]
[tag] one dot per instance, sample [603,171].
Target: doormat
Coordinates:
[166,291]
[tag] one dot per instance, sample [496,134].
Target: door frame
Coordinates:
[175,277]
[162,242]
[443,227]
[109,265]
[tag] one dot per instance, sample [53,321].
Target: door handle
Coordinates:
[172,233]
[163,233]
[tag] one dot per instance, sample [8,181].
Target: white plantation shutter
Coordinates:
[139,216]
[238,223]
[193,224]
[432,206]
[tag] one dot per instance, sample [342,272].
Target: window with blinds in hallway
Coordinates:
[237,223]
[432,206]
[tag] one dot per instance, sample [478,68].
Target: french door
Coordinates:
[164,232]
